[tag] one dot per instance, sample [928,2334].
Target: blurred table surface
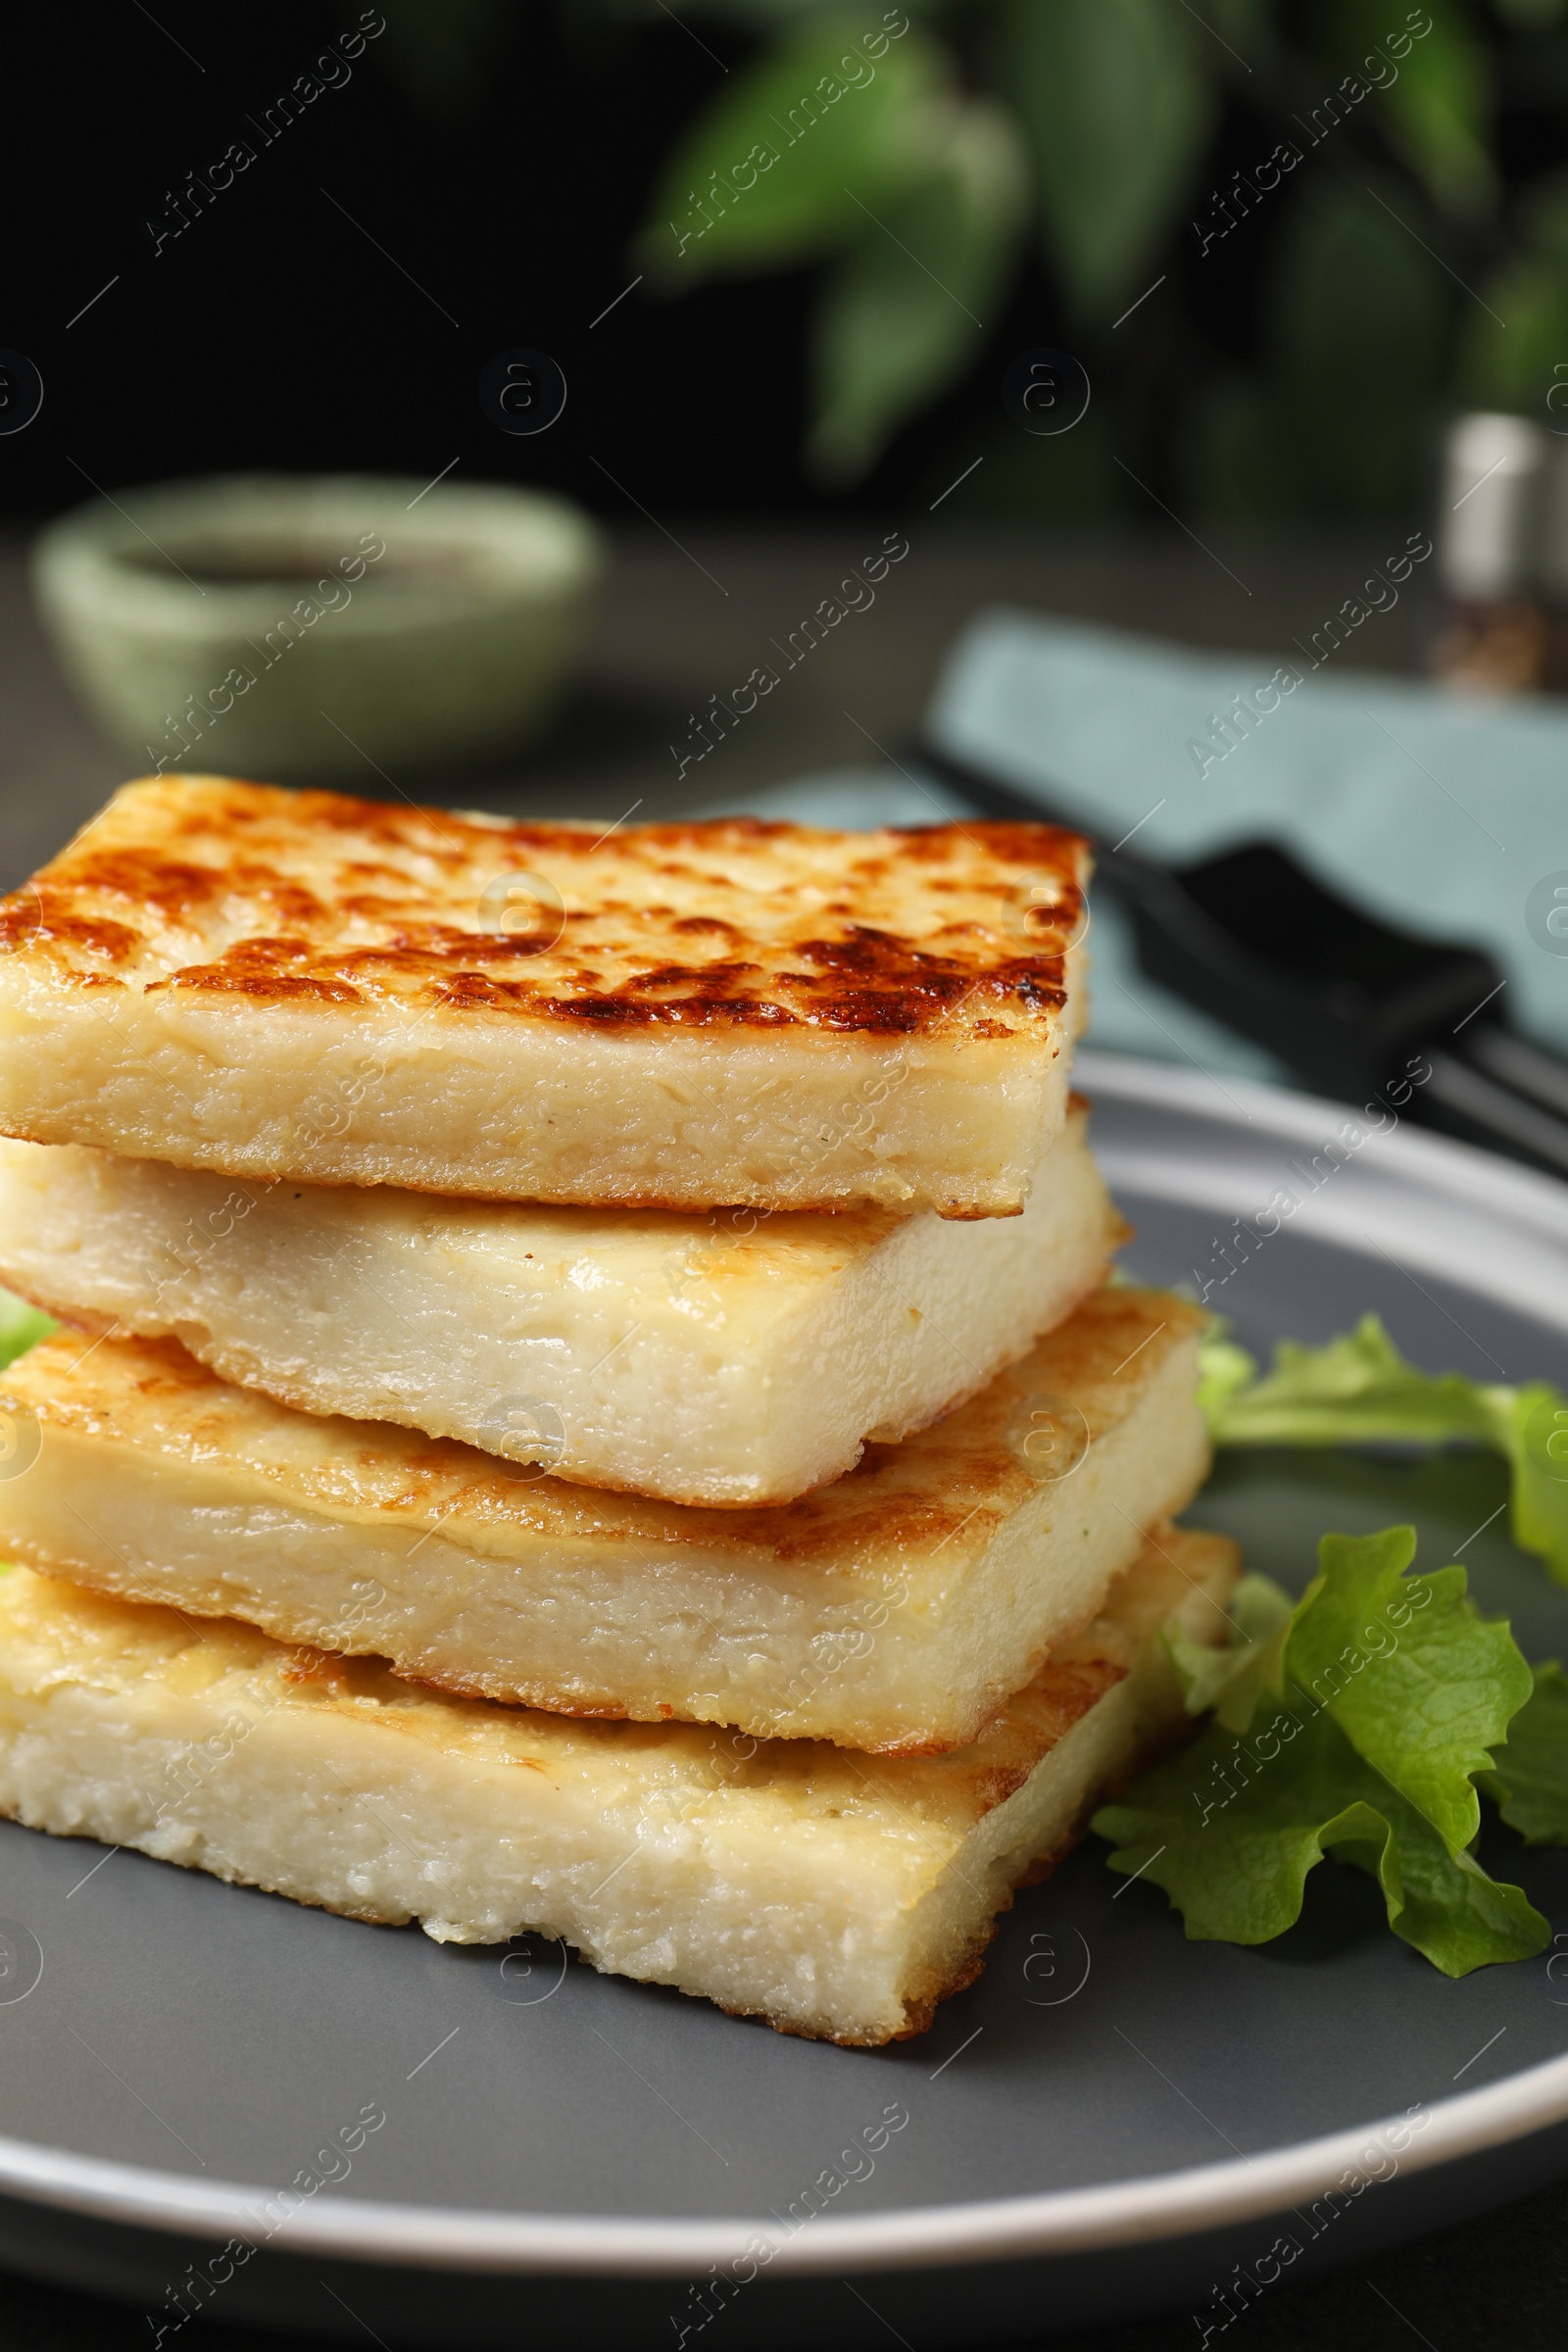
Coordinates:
[678,622]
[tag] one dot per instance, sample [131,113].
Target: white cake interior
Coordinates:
[894,1609]
[838,1896]
[731,1359]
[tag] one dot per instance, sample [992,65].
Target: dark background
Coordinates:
[506,172]
[274,334]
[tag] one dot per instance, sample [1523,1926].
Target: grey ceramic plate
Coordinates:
[1110,2121]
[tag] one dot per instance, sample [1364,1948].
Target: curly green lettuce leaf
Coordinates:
[1355,1727]
[20,1327]
[1258,1609]
[1359,1390]
[1421,1686]
[1533,1435]
[1246,1883]
[1529,1783]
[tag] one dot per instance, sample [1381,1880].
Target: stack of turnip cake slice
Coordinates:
[587,1397]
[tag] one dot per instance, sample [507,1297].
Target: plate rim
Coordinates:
[1187,2200]
[1477,1179]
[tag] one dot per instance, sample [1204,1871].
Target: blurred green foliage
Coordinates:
[1118,110]
[890,337]
[1436,113]
[1306,330]
[1354,337]
[725,206]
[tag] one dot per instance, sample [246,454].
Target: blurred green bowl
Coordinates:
[301,627]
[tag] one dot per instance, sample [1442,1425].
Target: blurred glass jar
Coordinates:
[1502,557]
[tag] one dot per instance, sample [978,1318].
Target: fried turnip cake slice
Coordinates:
[894,1609]
[834,1895]
[727,1359]
[293,984]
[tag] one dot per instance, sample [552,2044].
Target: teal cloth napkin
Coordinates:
[1442,812]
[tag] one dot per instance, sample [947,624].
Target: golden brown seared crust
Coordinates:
[245,893]
[950,1485]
